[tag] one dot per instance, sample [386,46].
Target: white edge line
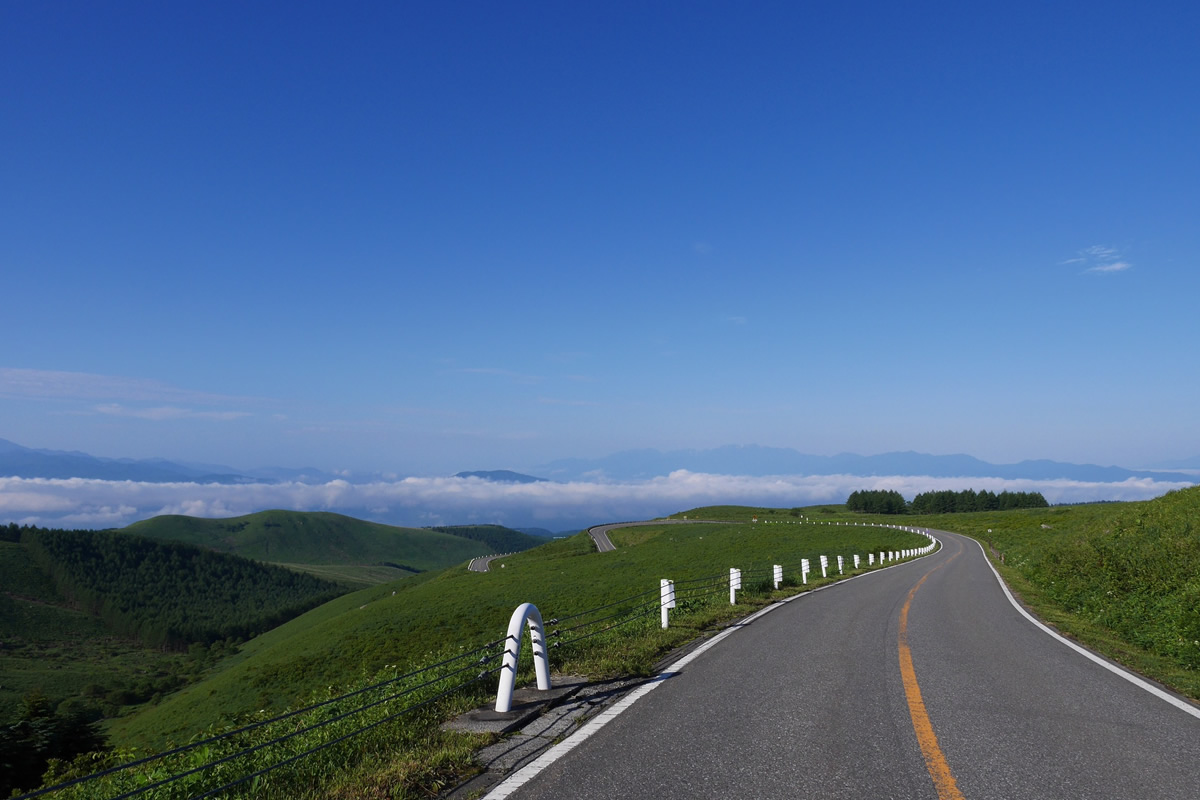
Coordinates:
[1182,705]
[528,772]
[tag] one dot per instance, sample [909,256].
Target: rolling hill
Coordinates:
[353,551]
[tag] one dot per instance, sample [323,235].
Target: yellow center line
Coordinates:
[935,761]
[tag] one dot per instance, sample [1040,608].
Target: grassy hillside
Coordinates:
[497,537]
[363,551]
[409,621]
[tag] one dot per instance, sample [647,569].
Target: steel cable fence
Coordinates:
[161,771]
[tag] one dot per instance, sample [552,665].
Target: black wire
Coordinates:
[340,739]
[256,725]
[716,580]
[621,613]
[291,735]
[609,628]
[713,589]
[601,608]
[697,580]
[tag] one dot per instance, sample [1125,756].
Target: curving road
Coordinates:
[918,681]
[483,563]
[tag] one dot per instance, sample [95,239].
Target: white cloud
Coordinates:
[1100,258]
[1116,266]
[425,501]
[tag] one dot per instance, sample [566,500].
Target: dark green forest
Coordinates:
[942,502]
[877,502]
[948,502]
[169,594]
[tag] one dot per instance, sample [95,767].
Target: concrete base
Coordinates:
[528,704]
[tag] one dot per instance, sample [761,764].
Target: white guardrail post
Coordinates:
[666,598]
[735,583]
[840,564]
[804,571]
[778,575]
[512,648]
[824,566]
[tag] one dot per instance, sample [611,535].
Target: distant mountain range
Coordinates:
[629,465]
[756,460]
[501,476]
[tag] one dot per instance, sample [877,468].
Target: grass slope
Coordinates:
[410,621]
[497,537]
[307,540]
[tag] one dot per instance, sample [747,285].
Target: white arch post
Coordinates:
[512,648]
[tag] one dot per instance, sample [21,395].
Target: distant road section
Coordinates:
[599,535]
[481,564]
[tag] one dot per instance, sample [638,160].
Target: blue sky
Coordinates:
[423,238]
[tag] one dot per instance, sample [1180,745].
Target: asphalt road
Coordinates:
[811,700]
[483,563]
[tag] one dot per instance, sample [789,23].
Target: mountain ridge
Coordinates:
[757,460]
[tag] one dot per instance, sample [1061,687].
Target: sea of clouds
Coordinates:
[86,503]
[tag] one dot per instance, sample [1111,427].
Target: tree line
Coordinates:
[169,594]
[942,502]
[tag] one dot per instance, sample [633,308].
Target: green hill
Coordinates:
[360,553]
[496,537]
